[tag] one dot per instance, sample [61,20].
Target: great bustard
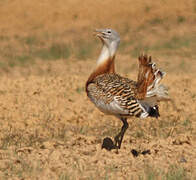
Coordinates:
[119,96]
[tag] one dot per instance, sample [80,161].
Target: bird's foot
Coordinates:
[117,141]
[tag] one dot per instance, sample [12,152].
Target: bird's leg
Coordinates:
[118,139]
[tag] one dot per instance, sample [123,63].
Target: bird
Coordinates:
[115,95]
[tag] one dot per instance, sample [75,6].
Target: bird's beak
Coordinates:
[98,30]
[99,33]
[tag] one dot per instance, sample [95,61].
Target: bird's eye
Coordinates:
[109,31]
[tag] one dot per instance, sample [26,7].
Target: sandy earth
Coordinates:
[50,130]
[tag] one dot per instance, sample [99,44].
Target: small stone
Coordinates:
[134,152]
[146,152]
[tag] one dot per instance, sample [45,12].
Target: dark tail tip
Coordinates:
[154,111]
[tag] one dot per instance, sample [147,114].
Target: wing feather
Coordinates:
[114,94]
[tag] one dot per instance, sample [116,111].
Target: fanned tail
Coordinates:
[149,88]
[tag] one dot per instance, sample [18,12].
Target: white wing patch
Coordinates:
[110,108]
[116,108]
[145,113]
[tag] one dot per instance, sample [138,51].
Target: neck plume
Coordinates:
[105,64]
[104,55]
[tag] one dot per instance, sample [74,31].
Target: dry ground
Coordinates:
[48,127]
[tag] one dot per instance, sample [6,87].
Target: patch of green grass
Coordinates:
[139,134]
[4,38]
[6,141]
[10,138]
[150,173]
[182,65]
[83,130]
[45,48]
[34,139]
[64,176]
[110,169]
[3,65]
[22,59]
[183,46]
[55,51]
[147,9]
[166,128]
[176,43]
[24,167]
[61,133]
[186,125]
[156,21]
[79,90]
[187,122]
[18,138]
[174,172]
[84,50]
[75,16]
[193,95]
[181,19]
[109,130]
[20,168]
[166,124]
[31,40]
[26,49]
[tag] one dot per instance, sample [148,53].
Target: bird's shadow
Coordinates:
[108,144]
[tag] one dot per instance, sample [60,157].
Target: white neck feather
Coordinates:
[113,47]
[104,56]
[107,52]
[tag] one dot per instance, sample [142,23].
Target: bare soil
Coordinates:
[48,127]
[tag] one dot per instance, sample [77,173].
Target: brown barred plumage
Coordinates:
[119,96]
[107,87]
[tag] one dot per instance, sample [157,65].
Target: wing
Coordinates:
[113,94]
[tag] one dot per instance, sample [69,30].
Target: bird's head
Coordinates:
[108,36]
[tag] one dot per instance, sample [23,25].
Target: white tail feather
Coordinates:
[149,79]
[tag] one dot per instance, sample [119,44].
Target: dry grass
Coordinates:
[48,127]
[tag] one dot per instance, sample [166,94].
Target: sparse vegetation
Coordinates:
[56,51]
[64,176]
[49,129]
[174,172]
[80,90]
